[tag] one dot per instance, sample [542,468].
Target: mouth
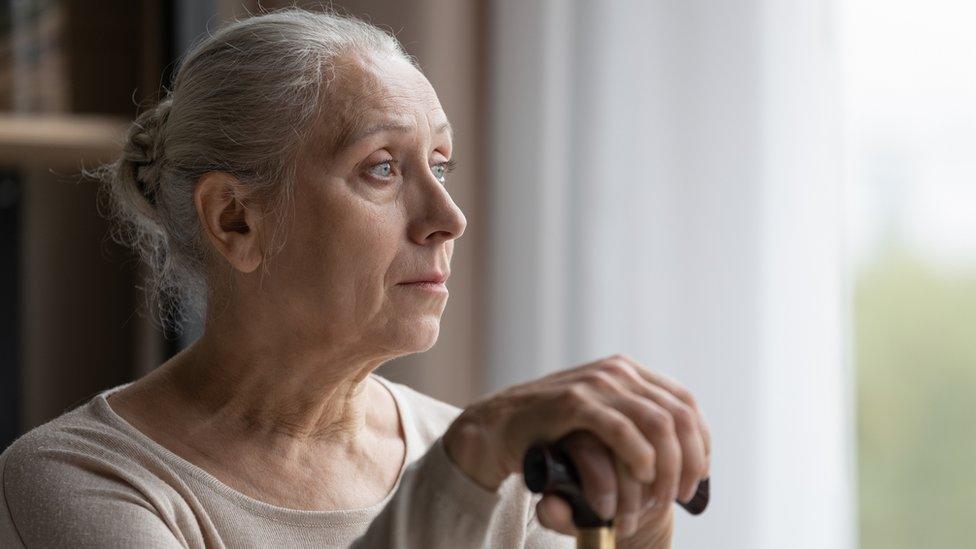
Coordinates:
[426,285]
[435,277]
[430,282]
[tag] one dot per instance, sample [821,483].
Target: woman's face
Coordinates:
[371,211]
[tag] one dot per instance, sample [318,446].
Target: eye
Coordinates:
[441,170]
[382,170]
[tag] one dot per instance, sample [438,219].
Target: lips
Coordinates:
[435,277]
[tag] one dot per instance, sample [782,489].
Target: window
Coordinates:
[910,81]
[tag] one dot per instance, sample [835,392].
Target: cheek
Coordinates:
[346,252]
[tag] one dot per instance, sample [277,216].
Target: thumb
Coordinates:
[555,514]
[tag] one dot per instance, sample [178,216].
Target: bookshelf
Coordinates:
[62,140]
[73,74]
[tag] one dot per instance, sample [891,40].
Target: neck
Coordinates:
[277,393]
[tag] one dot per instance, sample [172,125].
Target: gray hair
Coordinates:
[243,101]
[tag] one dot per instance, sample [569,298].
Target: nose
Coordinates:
[438,219]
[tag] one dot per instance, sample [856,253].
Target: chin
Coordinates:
[427,338]
[415,336]
[425,334]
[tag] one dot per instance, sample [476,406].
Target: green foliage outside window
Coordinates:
[916,363]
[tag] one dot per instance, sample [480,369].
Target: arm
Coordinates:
[436,505]
[52,498]
[649,426]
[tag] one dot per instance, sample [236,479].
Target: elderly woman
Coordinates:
[292,186]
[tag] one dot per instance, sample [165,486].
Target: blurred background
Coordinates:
[773,201]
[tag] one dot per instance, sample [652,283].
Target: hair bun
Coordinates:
[142,147]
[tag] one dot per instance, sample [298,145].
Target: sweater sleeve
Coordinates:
[436,506]
[56,498]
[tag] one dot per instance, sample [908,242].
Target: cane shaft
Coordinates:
[601,537]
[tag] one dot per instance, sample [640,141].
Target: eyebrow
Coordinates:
[354,136]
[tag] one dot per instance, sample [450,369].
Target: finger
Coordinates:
[582,410]
[625,367]
[706,437]
[706,441]
[629,492]
[658,426]
[657,378]
[555,514]
[652,506]
[598,475]
[694,460]
[674,397]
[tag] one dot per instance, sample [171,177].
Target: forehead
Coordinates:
[375,88]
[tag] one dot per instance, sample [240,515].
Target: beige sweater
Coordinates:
[90,479]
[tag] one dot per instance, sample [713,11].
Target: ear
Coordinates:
[233,226]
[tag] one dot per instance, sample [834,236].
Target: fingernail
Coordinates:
[606,505]
[650,504]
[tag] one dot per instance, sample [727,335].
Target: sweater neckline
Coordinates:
[287,515]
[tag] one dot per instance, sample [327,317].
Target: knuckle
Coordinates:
[581,414]
[616,367]
[624,357]
[675,454]
[618,428]
[659,419]
[632,363]
[684,395]
[574,395]
[600,379]
[668,484]
[683,416]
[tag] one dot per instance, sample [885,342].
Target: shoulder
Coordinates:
[72,434]
[55,456]
[79,469]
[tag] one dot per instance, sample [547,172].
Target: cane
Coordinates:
[548,469]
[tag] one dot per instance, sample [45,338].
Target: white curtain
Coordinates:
[665,182]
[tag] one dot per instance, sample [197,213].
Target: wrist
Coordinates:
[654,532]
[467,446]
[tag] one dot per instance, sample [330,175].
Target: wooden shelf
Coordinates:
[62,141]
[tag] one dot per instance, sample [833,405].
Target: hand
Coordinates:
[647,440]
[650,526]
